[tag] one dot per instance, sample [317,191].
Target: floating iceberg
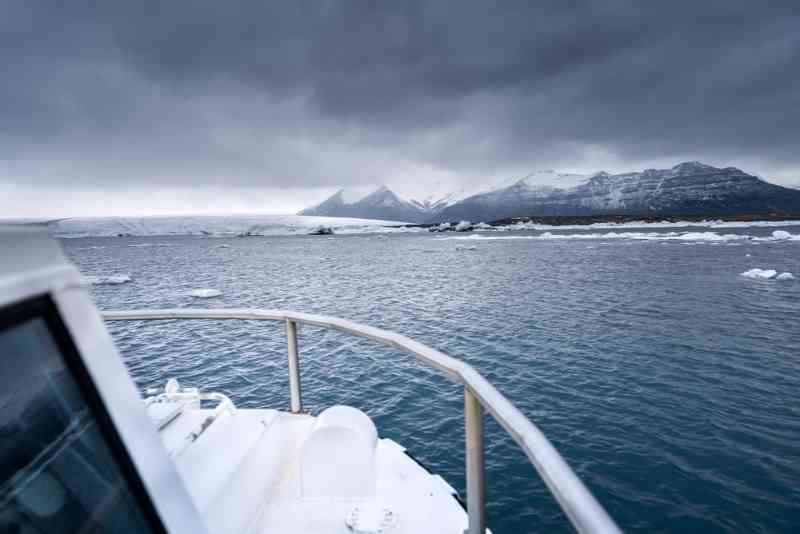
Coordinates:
[462,247]
[781,234]
[205,293]
[529,225]
[785,276]
[689,237]
[761,273]
[444,227]
[640,236]
[108,280]
[267,225]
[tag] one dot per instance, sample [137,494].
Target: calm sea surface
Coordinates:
[670,382]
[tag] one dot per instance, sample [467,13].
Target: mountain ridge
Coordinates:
[688,188]
[381,203]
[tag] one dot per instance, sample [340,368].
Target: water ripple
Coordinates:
[668,381]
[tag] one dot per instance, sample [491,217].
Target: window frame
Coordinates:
[36,280]
[43,308]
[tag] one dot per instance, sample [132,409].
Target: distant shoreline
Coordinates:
[586,220]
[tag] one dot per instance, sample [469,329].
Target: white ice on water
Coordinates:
[782,234]
[646,224]
[267,225]
[108,280]
[760,273]
[712,237]
[205,293]
[768,274]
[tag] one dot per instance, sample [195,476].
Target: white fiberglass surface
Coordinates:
[245,473]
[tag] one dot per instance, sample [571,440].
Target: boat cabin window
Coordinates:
[62,467]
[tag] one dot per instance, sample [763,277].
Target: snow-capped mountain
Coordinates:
[388,205]
[380,204]
[690,188]
[338,202]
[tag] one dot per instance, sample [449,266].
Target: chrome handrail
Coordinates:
[578,503]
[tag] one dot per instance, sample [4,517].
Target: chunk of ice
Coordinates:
[760,273]
[781,234]
[785,276]
[108,280]
[205,293]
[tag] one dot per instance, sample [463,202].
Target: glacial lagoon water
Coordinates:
[668,380]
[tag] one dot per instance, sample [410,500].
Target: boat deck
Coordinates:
[265,471]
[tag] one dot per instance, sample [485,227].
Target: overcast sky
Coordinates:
[218,106]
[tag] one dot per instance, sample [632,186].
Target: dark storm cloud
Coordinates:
[278,94]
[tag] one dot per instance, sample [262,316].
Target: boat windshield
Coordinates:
[60,468]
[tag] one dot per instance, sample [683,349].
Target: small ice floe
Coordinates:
[760,273]
[785,276]
[108,280]
[463,247]
[205,293]
[464,226]
[224,245]
[781,234]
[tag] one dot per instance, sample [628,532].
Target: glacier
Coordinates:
[275,225]
[209,225]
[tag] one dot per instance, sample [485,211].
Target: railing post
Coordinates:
[476,485]
[294,366]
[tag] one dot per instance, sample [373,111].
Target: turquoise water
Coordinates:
[669,381]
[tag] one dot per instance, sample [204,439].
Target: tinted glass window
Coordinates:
[57,472]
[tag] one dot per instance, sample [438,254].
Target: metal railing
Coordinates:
[580,506]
